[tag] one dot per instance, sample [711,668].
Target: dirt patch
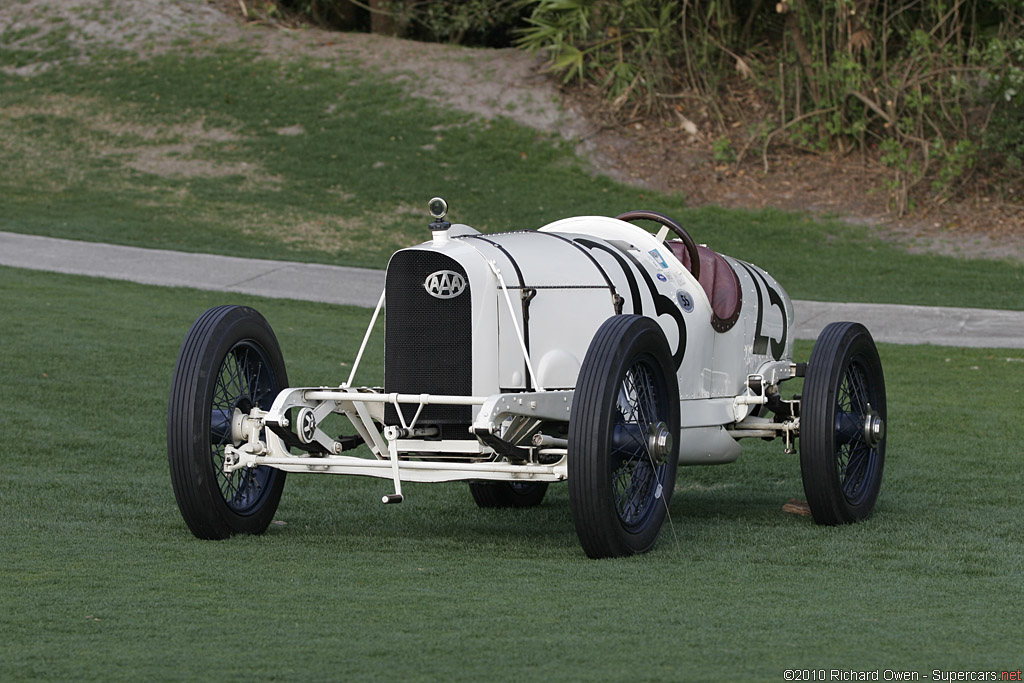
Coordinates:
[337,234]
[181,150]
[291,131]
[79,28]
[488,83]
[679,158]
[492,83]
[175,161]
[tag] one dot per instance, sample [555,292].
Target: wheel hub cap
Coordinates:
[659,442]
[874,428]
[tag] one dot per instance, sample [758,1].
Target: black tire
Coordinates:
[504,494]
[229,360]
[627,396]
[842,425]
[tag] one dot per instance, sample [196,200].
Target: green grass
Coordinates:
[221,151]
[101,578]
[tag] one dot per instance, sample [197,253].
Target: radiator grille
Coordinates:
[428,345]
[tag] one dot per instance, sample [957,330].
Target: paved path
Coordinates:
[362,287]
[279,279]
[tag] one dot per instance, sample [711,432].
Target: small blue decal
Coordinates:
[658,257]
[662,277]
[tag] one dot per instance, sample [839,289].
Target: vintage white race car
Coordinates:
[589,351]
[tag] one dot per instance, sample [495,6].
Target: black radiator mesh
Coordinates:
[428,345]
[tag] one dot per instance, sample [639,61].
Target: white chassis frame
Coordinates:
[468,459]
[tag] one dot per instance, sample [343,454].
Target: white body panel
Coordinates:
[536,300]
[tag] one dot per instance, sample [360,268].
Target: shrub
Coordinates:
[921,82]
[934,89]
[629,48]
[467,22]
[1003,140]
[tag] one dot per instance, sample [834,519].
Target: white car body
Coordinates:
[588,351]
[524,357]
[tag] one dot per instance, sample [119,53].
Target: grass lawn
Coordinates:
[218,150]
[101,578]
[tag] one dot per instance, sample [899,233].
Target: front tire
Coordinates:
[623,452]
[842,425]
[229,362]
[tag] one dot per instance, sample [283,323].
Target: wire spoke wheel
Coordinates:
[229,363]
[843,425]
[245,381]
[622,451]
[853,454]
[635,475]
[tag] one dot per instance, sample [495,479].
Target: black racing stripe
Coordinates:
[608,280]
[627,271]
[664,306]
[503,250]
[525,303]
[761,340]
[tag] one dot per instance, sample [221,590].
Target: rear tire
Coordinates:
[230,361]
[504,494]
[842,425]
[623,431]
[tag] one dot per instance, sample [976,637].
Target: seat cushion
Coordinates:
[719,282]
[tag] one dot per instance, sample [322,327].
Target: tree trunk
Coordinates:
[381,18]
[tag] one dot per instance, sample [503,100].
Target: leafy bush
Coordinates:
[909,78]
[920,82]
[1003,140]
[935,90]
[629,48]
[467,22]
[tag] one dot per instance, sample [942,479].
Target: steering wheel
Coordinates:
[662,219]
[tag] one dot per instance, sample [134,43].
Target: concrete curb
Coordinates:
[260,277]
[362,287]
[899,324]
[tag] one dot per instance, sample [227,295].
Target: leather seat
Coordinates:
[719,282]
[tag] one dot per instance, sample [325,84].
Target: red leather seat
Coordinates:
[719,282]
